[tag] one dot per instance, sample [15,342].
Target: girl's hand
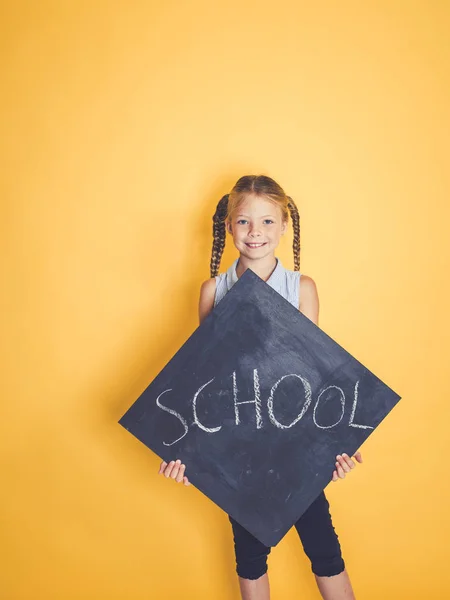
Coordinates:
[344,465]
[174,470]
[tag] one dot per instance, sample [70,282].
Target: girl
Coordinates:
[256,214]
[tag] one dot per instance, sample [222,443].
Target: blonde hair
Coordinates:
[259,185]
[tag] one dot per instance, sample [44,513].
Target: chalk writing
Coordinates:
[307,392]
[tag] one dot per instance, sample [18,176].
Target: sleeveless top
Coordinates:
[283,281]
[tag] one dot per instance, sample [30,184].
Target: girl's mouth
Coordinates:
[256,245]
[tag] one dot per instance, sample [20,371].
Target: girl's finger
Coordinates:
[343,463]
[335,476]
[180,475]
[358,457]
[162,466]
[186,481]
[169,468]
[340,470]
[175,469]
[349,461]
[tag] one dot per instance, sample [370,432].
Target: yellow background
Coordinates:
[123,123]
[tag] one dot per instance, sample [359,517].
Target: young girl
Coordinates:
[256,214]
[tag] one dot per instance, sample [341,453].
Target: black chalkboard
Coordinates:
[257,403]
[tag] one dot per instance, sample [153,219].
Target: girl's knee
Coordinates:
[251,559]
[251,554]
[320,540]
[251,570]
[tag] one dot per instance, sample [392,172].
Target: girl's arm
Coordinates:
[309,306]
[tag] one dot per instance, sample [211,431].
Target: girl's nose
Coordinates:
[254,231]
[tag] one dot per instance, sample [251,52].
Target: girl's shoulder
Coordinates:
[307,284]
[208,287]
[309,299]
[207,295]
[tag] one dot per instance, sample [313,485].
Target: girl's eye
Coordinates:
[245,221]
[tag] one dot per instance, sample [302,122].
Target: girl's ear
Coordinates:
[228,225]
[284,227]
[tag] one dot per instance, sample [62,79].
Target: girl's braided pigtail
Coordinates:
[296,227]
[219,234]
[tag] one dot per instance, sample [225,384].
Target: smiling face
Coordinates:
[256,226]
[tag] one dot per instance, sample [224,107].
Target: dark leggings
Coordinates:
[319,539]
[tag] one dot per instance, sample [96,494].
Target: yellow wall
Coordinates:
[123,123]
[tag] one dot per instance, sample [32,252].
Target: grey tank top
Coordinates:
[283,281]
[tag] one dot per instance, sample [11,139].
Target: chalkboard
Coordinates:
[257,403]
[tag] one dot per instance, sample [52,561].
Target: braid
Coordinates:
[296,226]
[219,234]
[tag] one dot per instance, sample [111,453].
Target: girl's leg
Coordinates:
[337,587]
[251,563]
[255,589]
[321,545]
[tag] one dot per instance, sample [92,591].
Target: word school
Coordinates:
[270,406]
